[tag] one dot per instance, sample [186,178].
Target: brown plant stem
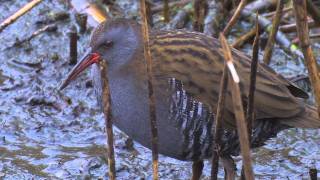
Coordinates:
[197,167]
[152,109]
[253,76]
[252,87]
[106,102]
[217,128]
[235,17]
[303,34]
[272,36]
[19,13]
[238,110]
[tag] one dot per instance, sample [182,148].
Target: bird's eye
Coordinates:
[106,44]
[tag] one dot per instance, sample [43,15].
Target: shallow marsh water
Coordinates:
[45,134]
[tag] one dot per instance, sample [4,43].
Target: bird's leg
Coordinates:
[229,167]
[197,167]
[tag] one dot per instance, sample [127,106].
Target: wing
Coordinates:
[195,60]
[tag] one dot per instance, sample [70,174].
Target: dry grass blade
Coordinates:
[217,129]
[235,17]
[238,110]
[303,34]
[272,37]
[106,102]
[18,14]
[152,110]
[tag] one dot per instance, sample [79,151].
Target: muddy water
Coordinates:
[45,134]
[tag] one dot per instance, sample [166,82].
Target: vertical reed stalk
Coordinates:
[238,110]
[216,128]
[152,109]
[106,102]
[300,12]
[272,37]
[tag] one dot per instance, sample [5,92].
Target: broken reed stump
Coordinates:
[73,35]
[272,36]
[166,13]
[152,109]
[81,19]
[300,12]
[314,11]
[235,17]
[313,173]
[200,11]
[19,13]
[217,128]
[238,110]
[106,102]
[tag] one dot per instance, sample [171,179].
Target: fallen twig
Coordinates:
[243,39]
[285,10]
[152,109]
[292,27]
[281,38]
[300,12]
[19,13]
[47,28]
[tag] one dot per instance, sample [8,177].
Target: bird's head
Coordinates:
[114,41]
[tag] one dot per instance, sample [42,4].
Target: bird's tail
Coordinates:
[309,119]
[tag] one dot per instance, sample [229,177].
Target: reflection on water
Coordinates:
[46,134]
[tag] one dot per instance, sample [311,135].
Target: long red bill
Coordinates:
[88,59]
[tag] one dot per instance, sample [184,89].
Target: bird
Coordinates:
[187,68]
